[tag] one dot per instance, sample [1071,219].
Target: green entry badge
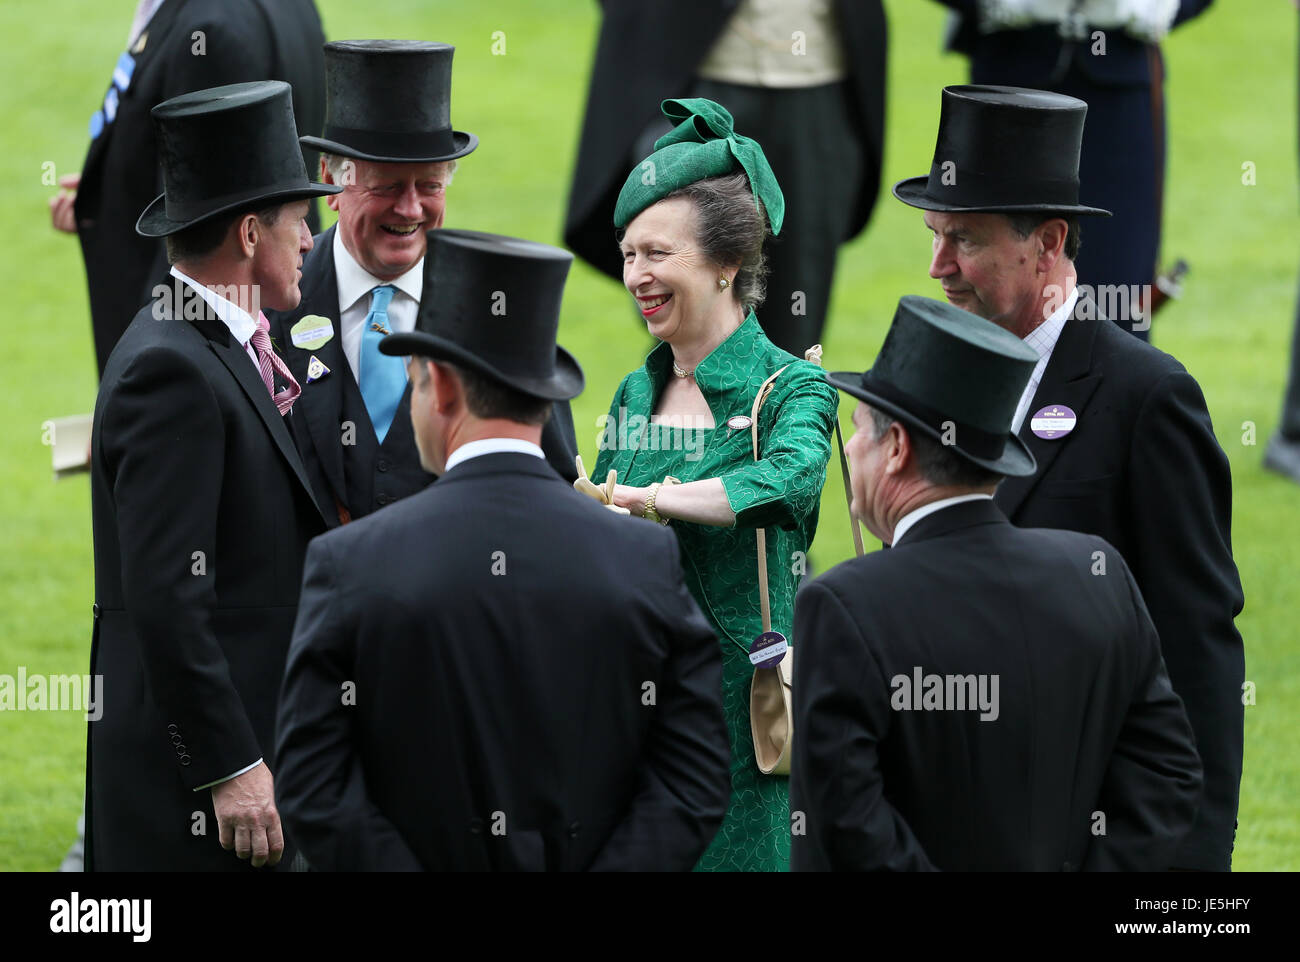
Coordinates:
[311,332]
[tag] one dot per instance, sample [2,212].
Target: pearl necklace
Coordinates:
[681,371]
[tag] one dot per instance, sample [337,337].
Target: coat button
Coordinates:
[574,829]
[382,465]
[176,738]
[476,826]
[384,499]
[180,749]
[185,759]
[94,610]
[172,729]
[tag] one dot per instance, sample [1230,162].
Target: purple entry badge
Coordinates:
[768,649]
[1053,421]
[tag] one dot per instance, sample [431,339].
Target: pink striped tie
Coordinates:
[269,362]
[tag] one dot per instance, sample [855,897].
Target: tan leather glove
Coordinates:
[604,495]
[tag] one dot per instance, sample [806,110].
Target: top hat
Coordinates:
[225,149]
[1003,150]
[496,311]
[940,364]
[389,101]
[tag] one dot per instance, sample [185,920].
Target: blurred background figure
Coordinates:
[1283,452]
[805,78]
[173,47]
[1106,53]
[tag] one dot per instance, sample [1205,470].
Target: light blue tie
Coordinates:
[383,378]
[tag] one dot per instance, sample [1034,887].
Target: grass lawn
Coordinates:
[1231,96]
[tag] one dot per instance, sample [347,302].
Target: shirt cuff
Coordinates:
[246,768]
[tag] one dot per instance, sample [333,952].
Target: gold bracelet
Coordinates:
[649,513]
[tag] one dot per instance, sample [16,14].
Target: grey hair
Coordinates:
[731,227]
[934,461]
[337,167]
[1026,224]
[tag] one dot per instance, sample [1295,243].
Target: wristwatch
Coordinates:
[649,512]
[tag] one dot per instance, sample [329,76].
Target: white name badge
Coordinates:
[311,332]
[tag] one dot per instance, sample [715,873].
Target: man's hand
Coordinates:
[61,213]
[246,816]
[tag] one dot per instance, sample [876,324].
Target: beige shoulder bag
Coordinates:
[771,691]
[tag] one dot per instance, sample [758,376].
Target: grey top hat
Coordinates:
[941,365]
[389,101]
[225,149]
[1003,150]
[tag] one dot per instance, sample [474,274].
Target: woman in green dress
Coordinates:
[692,220]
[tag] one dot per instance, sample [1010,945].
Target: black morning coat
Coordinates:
[479,681]
[1143,469]
[649,52]
[202,514]
[351,473]
[187,45]
[1086,760]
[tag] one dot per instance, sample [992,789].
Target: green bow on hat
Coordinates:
[703,144]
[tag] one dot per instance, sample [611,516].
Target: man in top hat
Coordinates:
[389,143]
[474,681]
[202,511]
[982,696]
[1120,430]
[1106,53]
[174,47]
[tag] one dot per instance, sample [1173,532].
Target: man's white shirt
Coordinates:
[355,284]
[239,321]
[915,515]
[1043,340]
[475,449]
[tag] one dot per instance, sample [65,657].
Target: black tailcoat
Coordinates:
[202,514]
[1144,470]
[188,45]
[518,701]
[345,461]
[1086,720]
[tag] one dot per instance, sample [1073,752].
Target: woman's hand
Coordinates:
[701,502]
[633,499]
[604,494]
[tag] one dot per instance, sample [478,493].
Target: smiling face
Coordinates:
[277,259]
[674,283]
[987,268]
[385,209]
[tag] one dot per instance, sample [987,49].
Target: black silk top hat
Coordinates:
[225,149]
[941,364]
[389,101]
[496,311]
[1003,149]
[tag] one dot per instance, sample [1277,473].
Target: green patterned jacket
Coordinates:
[781,492]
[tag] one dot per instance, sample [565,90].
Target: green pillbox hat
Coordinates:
[703,144]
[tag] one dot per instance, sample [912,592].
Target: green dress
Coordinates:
[781,493]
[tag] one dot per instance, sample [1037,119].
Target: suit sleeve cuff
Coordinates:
[246,768]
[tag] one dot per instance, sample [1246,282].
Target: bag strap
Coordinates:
[765,605]
[812,355]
